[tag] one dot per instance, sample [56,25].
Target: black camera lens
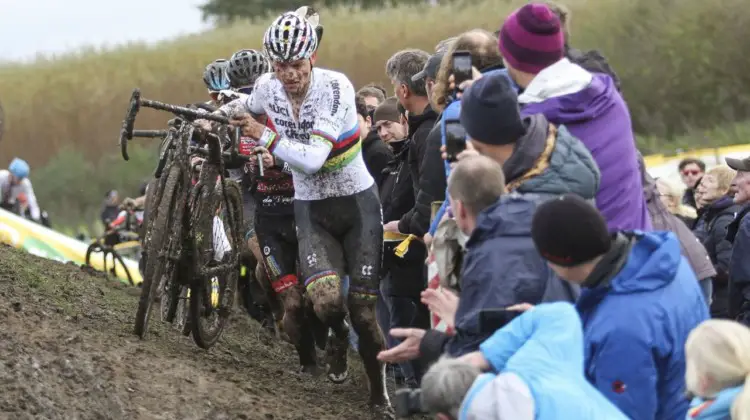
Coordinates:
[408,402]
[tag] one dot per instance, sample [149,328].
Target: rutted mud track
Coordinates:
[67,352]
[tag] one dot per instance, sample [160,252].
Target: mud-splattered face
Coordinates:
[295,75]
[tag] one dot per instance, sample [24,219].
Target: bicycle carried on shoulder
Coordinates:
[189,226]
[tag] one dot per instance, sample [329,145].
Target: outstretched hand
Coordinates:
[407,350]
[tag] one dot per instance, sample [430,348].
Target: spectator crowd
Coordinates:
[563,281]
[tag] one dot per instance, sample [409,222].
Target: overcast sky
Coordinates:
[28,27]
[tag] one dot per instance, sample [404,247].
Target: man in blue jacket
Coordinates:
[639,301]
[501,266]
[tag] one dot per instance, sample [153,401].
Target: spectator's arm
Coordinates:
[623,369]
[378,162]
[546,319]
[740,268]
[432,346]
[723,248]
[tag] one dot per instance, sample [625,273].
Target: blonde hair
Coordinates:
[484,53]
[724,176]
[719,350]
[675,190]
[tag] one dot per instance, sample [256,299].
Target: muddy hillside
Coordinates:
[67,352]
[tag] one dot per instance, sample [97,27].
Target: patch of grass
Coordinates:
[720,136]
[681,65]
[65,287]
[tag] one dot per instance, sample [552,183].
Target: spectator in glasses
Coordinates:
[691,171]
[670,194]
[374,151]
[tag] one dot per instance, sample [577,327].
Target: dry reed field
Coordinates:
[683,64]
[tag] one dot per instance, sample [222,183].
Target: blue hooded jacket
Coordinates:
[635,328]
[544,348]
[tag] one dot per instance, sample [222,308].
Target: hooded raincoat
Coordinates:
[593,111]
[636,320]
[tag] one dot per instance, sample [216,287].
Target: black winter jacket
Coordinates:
[711,229]
[424,159]
[376,155]
[396,187]
[405,275]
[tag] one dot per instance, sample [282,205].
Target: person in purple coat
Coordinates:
[588,104]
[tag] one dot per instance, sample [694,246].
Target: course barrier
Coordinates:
[47,243]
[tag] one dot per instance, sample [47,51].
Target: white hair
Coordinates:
[445,385]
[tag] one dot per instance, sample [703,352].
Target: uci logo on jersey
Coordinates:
[279,110]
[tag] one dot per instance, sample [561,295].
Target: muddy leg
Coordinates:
[371,342]
[324,291]
[294,324]
[363,247]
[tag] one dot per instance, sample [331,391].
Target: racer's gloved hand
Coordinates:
[204,125]
[228,95]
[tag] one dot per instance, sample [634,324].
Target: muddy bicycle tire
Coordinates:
[201,287]
[158,238]
[93,247]
[117,258]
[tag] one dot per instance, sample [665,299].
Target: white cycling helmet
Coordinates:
[245,66]
[309,13]
[290,38]
[215,76]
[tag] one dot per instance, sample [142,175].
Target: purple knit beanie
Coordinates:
[531,38]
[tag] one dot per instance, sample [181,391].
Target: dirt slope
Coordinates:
[67,352]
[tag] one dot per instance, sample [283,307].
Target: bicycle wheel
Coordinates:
[170,293]
[117,259]
[182,315]
[94,247]
[212,296]
[158,241]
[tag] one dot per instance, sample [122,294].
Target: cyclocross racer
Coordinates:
[336,206]
[216,79]
[245,66]
[14,182]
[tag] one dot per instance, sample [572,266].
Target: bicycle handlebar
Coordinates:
[151,134]
[126,132]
